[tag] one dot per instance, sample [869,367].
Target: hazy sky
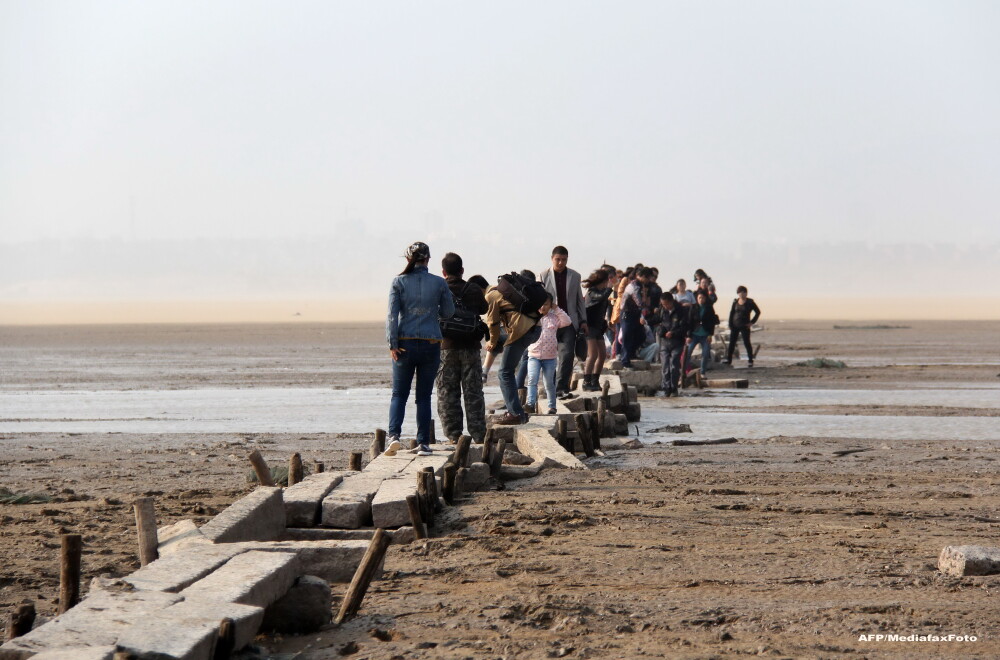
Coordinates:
[637,123]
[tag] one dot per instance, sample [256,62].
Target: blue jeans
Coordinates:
[705,351]
[522,366]
[512,354]
[632,336]
[421,358]
[670,357]
[548,369]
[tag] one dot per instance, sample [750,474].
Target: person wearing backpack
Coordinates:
[513,304]
[460,375]
[564,285]
[417,300]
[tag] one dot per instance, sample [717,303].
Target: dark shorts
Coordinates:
[597,331]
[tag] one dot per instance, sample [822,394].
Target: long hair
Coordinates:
[598,278]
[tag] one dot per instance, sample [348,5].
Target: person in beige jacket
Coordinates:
[519,335]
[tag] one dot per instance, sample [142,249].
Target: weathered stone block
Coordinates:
[334,561]
[251,578]
[304,500]
[307,607]
[477,477]
[177,536]
[179,570]
[349,505]
[189,630]
[78,653]
[97,620]
[962,560]
[259,516]
[538,443]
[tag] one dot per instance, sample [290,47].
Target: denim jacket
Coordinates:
[416,303]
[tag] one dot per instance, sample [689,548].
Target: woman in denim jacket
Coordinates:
[417,300]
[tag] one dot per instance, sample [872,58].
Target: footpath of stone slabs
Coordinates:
[276,551]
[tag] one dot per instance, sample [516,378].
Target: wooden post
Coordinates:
[69,571]
[461,458]
[432,488]
[413,504]
[354,463]
[296,472]
[487,445]
[562,434]
[21,620]
[460,481]
[424,500]
[522,394]
[377,446]
[583,432]
[602,413]
[319,467]
[497,460]
[595,430]
[606,388]
[225,644]
[363,576]
[145,526]
[260,468]
[448,487]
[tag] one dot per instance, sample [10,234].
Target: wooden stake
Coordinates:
[432,488]
[377,446]
[363,576]
[460,481]
[522,394]
[413,504]
[602,413]
[296,472]
[226,642]
[461,457]
[424,500]
[584,433]
[497,460]
[145,526]
[260,468]
[487,445]
[562,434]
[21,620]
[319,467]
[595,430]
[605,389]
[448,487]
[354,463]
[69,571]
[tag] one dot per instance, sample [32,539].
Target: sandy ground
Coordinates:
[775,547]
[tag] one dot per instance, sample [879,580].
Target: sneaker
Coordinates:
[750,363]
[424,450]
[727,362]
[485,377]
[552,411]
[662,395]
[565,396]
[393,446]
[529,407]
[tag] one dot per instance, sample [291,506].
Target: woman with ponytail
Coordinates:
[417,300]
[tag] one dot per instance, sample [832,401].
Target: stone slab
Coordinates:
[389,509]
[177,536]
[259,516]
[304,500]
[514,472]
[334,561]
[959,560]
[251,578]
[386,465]
[97,620]
[349,505]
[189,630]
[78,653]
[537,442]
[176,572]
[477,477]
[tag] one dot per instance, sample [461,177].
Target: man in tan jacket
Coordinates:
[519,335]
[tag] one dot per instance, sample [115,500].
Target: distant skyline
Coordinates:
[665,132]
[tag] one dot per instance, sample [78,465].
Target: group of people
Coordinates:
[536,327]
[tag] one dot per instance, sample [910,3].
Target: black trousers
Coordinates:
[567,354]
[733,334]
[670,359]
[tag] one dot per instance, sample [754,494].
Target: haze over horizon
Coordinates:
[843,155]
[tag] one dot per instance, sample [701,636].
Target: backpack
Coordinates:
[526,295]
[465,324]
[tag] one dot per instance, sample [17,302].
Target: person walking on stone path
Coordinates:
[417,300]
[564,285]
[702,321]
[743,314]
[599,291]
[461,373]
[519,332]
[671,334]
[542,355]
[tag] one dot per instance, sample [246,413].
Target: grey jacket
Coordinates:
[574,293]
